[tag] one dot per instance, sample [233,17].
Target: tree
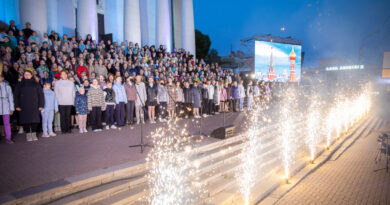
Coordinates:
[202,43]
[213,56]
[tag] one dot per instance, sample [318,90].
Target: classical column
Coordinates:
[132,21]
[164,30]
[52,13]
[113,19]
[187,26]
[33,11]
[148,21]
[87,18]
[66,25]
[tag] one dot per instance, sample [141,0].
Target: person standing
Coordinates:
[81,106]
[223,97]
[235,96]
[29,101]
[131,94]
[228,102]
[141,99]
[172,94]
[187,99]
[6,107]
[120,101]
[96,105]
[162,100]
[51,107]
[205,99]
[152,92]
[109,97]
[65,92]
[249,94]
[179,99]
[210,95]
[217,96]
[241,95]
[196,98]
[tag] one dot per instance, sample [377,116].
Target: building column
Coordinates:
[66,25]
[87,19]
[33,11]
[113,19]
[164,29]
[132,21]
[187,26]
[52,13]
[148,22]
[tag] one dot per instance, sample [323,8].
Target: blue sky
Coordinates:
[327,28]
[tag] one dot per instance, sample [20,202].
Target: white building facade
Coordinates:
[146,22]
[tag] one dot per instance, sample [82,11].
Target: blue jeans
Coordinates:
[241,103]
[47,121]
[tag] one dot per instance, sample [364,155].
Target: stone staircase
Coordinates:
[219,160]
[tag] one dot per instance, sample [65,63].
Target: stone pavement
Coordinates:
[27,164]
[350,179]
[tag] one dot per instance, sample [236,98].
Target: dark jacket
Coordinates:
[205,94]
[235,93]
[187,95]
[110,96]
[29,97]
[151,92]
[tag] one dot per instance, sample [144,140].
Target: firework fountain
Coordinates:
[313,127]
[287,133]
[347,112]
[248,170]
[172,178]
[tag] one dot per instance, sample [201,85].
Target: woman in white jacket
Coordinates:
[6,107]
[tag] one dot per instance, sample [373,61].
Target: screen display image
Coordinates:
[277,62]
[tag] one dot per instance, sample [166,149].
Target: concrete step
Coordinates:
[101,192]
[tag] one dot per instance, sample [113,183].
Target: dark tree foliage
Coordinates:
[202,43]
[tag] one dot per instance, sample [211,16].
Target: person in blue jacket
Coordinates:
[51,106]
[120,101]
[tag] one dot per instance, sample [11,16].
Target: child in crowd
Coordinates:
[81,106]
[162,100]
[110,105]
[96,104]
[7,107]
[179,99]
[51,107]
[249,94]
[196,97]
[120,101]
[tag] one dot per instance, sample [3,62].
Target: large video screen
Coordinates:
[277,62]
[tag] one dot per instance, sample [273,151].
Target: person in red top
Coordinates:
[81,68]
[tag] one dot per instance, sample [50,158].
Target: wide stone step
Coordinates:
[102,192]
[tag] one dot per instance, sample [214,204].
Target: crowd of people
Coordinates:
[63,82]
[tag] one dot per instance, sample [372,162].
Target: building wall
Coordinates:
[177,23]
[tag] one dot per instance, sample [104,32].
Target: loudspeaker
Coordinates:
[223,132]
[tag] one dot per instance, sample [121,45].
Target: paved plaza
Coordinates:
[348,179]
[27,164]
